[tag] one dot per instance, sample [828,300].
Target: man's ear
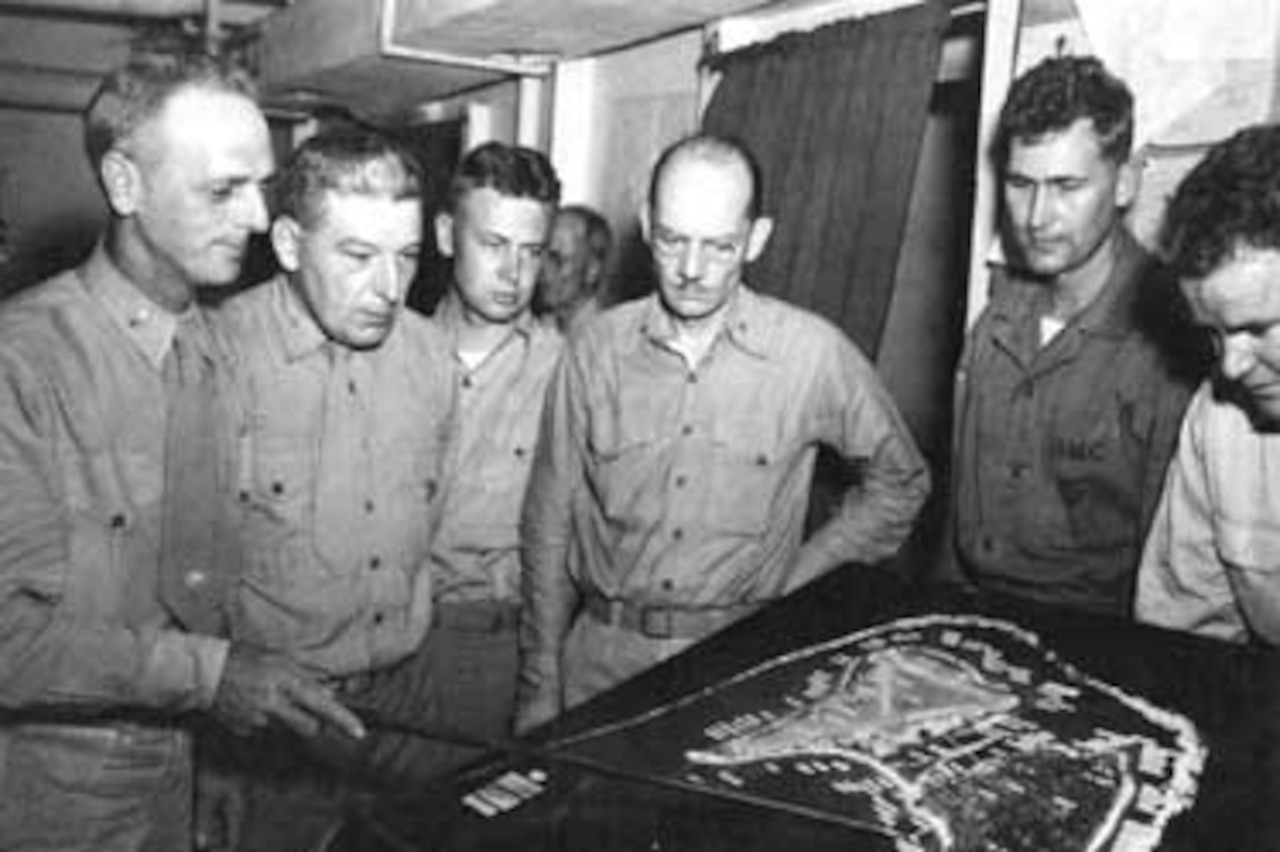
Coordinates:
[121,182]
[1128,182]
[595,272]
[758,237]
[645,224]
[444,233]
[286,239]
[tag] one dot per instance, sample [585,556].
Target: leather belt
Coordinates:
[477,616]
[664,622]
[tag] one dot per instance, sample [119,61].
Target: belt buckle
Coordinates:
[656,622]
[505,618]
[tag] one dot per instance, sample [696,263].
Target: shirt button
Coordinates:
[375,563]
[677,533]
[244,496]
[378,618]
[1017,470]
[466,381]
[668,585]
[988,544]
[351,387]
[432,488]
[686,430]
[117,522]
[368,506]
[277,487]
[680,480]
[195,579]
[693,378]
[519,452]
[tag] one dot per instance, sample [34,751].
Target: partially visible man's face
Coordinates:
[496,242]
[202,163]
[1063,199]
[566,265]
[1240,303]
[701,235]
[354,265]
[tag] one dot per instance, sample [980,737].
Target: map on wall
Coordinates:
[939,732]
[1198,71]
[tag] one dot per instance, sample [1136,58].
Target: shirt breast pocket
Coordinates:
[1097,518]
[103,525]
[272,488]
[626,476]
[1099,490]
[746,469]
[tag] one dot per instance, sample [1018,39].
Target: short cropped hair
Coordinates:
[1059,91]
[599,234]
[510,170]
[1230,200]
[712,148]
[134,94]
[347,161]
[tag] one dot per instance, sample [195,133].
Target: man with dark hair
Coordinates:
[1067,398]
[570,288]
[115,542]
[671,481]
[503,199]
[348,407]
[1211,560]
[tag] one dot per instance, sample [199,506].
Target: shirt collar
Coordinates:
[149,326]
[300,334]
[1110,313]
[744,326]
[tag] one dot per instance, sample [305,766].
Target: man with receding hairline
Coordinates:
[672,475]
[114,556]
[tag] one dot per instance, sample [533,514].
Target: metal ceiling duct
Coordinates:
[121,8]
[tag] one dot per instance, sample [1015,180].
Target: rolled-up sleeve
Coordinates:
[1211,557]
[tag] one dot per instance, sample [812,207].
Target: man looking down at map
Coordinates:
[1067,397]
[672,474]
[1212,560]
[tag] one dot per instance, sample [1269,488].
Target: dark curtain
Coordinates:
[836,118]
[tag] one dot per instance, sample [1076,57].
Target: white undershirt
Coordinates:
[472,358]
[1049,328]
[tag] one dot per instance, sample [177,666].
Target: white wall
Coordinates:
[612,115]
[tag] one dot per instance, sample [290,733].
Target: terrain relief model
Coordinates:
[942,732]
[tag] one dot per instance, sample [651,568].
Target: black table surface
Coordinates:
[1229,691]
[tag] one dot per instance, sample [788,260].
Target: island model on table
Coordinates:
[944,732]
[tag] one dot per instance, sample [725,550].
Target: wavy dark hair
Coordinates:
[1231,199]
[349,161]
[1059,91]
[511,170]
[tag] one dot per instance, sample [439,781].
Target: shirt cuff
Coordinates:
[183,670]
